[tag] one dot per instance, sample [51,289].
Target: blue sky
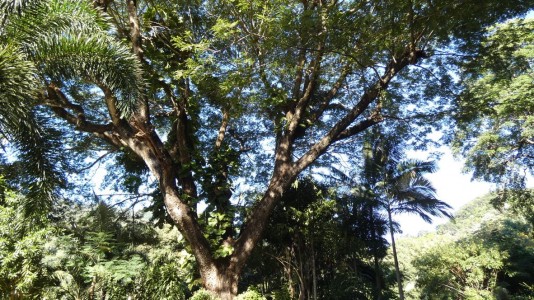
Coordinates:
[453,187]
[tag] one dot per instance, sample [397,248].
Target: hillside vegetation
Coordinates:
[484,253]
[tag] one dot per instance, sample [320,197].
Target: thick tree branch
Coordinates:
[142,114]
[361,126]
[255,224]
[257,220]
[394,67]
[162,168]
[111,103]
[79,124]
[314,69]
[326,100]
[184,147]
[135,30]
[222,129]
[299,73]
[60,98]
[59,103]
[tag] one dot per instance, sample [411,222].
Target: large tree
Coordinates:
[496,118]
[210,92]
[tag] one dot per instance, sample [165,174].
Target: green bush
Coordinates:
[203,294]
[281,294]
[250,294]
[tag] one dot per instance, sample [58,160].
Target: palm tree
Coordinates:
[400,187]
[45,44]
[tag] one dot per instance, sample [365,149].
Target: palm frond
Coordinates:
[407,170]
[8,7]
[409,185]
[402,181]
[17,83]
[423,206]
[54,40]
[23,19]
[337,174]
[17,121]
[68,285]
[70,40]
[98,59]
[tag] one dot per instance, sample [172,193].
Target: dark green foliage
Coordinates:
[39,177]
[203,295]
[21,250]
[521,202]
[315,232]
[250,294]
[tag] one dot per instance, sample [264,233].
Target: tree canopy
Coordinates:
[495,112]
[496,108]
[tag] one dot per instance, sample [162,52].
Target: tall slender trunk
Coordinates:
[397,271]
[304,292]
[378,273]
[287,271]
[378,279]
[314,272]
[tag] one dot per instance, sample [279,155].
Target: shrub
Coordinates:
[203,294]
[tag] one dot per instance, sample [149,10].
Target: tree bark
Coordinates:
[314,272]
[378,279]
[221,281]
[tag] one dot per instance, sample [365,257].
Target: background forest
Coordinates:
[243,149]
[323,247]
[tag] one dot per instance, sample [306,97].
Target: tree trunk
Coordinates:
[378,273]
[221,281]
[141,138]
[139,135]
[397,271]
[287,272]
[314,272]
[378,279]
[303,286]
